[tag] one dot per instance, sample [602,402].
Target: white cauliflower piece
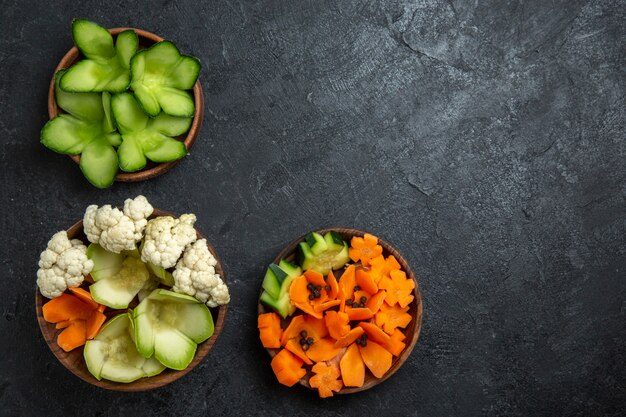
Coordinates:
[62,265]
[195,276]
[166,238]
[116,230]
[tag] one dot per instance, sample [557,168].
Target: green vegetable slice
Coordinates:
[143,137]
[106,67]
[159,77]
[85,129]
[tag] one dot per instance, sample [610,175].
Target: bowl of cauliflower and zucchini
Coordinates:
[130,298]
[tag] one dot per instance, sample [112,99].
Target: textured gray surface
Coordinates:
[484,138]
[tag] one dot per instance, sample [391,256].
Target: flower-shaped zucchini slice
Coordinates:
[106,67]
[145,138]
[87,130]
[160,75]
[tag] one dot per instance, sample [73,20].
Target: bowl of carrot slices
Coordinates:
[340,311]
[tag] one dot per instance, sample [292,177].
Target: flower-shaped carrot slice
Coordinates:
[337,324]
[364,249]
[398,288]
[380,267]
[389,318]
[326,379]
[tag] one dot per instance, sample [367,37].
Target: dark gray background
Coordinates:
[484,138]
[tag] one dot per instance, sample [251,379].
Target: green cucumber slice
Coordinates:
[105,264]
[131,156]
[160,148]
[342,258]
[66,134]
[289,268]
[119,290]
[126,45]
[84,106]
[316,242]
[107,122]
[282,306]
[176,102]
[273,280]
[98,162]
[334,241]
[334,256]
[171,125]
[93,40]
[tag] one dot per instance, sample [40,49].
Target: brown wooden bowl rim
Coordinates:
[143,384]
[416,317]
[158,169]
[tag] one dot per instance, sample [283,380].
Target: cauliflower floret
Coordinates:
[195,275]
[116,230]
[62,265]
[166,238]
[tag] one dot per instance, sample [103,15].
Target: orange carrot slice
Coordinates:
[287,368]
[364,249]
[63,324]
[325,306]
[270,331]
[331,281]
[317,326]
[94,323]
[101,308]
[315,278]
[391,317]
[395,344]
[326,379]
[308,309]
[376,358]
[323,350]
[73,336]
[65,307]
[295,347]
[347,281]
[350,337]
[337,324]
[366,282]
[85,297]
[298,292]
[381,267]
[398,288]
[359,314]
[375,333]
[376,301]
[352,367]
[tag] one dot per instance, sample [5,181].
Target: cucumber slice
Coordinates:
[107,122]
[169,325]
[98,162]
[334,256]
[316,242]
[119,290]
[105,264]
[160,74]
[273,280]
[282,305]
[173,349]
[93,40]
[163,275]
[66,134]
[126,45]
[84,106]
[171,125]
[112,353]
[289,268]
[142,136]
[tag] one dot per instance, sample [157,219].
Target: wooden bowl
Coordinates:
[412,331]
[74,360]
[146,39]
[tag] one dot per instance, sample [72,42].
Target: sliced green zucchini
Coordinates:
[119,289]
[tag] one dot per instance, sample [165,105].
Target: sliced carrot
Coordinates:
[359,314]
[298,292]
[398,287]
[360,294]
[65,307]
[308,309]
[85,297]
[375,333]
[270,331]
[326,305]
[331,281]
[381,267]
[317,326]
[376,301]
[293,329]
[395,344]
[315,278]
[347,281]
[295,347]
[323,350]
[376,358]
[366,282]
[391,317]
[350,337]
[94,323]
[326,379]
[352,367]
[287,368]
[342,298]
[73,336]
[101,308]
[364,249]
[63,324]
[314,328]
[337,324]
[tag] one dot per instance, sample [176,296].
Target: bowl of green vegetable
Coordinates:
[116,319]
[124,104]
